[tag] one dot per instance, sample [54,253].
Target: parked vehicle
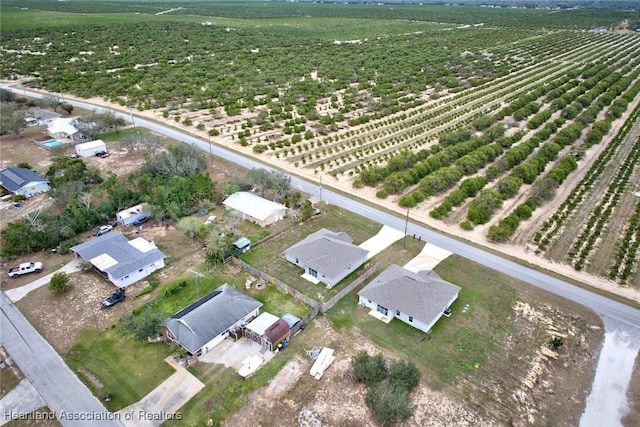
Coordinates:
[102,154]
[25,268]
[113,299]
[141,220]
[102,230]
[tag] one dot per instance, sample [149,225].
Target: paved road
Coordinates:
[70,400]
[616,316]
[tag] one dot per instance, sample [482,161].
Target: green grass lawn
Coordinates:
[127,369]
[269,257]
[456,344]
[225,392]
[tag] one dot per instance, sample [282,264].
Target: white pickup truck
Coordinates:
[26,267]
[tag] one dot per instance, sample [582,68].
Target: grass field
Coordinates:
[114,363]
[457,344]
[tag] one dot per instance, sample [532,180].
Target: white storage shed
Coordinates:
[89,149]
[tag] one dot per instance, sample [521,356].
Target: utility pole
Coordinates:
[197,274]
[133,123]
[406,225]
[210,149]
[320,189]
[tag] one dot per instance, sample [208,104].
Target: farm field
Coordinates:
[518,130]
[481,124]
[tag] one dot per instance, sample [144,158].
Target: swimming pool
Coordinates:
[52,144]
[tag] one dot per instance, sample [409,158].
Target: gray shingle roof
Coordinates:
[211,315]
[15,178]
[327,252]
[421,295]
[129,259]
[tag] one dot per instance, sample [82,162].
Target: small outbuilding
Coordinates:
[90,148]
[242,245]
[268,331]
[255,208]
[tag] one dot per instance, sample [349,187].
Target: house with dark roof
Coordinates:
[205,323]
[418,299]
[120,260]
[327,256]
[23,182]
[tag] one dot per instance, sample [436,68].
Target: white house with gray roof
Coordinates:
[23,182]
[122,261]
[327,256]
[205,323]
[418,299]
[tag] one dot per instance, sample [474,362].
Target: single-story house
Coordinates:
[255,208]
[268,331]
[418,299]
[88,149]
[122,261]
[130,215]
[23,182]
[63,128]
[205,323]
[327,256]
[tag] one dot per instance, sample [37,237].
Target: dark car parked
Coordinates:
[114,298]
[102,154]
[141,220]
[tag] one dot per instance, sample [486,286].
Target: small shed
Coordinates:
[291,319]
[242,245]
[90,148]
[257,330]
[277,333]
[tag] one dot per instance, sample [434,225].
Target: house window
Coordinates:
[397,312]
[140,271]
[313,273]
[297,261]
[382,310]
[410,319]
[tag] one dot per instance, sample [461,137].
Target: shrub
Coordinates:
[404,374]
[59,283]
[466,225]
[382,194]
[389,404]
[368,369]
[259,148]
[144,325]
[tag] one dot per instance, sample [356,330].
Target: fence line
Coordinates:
[270,279]
[317,307]
[337,297]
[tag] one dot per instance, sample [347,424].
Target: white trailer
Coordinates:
[89,149]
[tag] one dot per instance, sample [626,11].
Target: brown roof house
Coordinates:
[327,256]
[208,321]
[418,299]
